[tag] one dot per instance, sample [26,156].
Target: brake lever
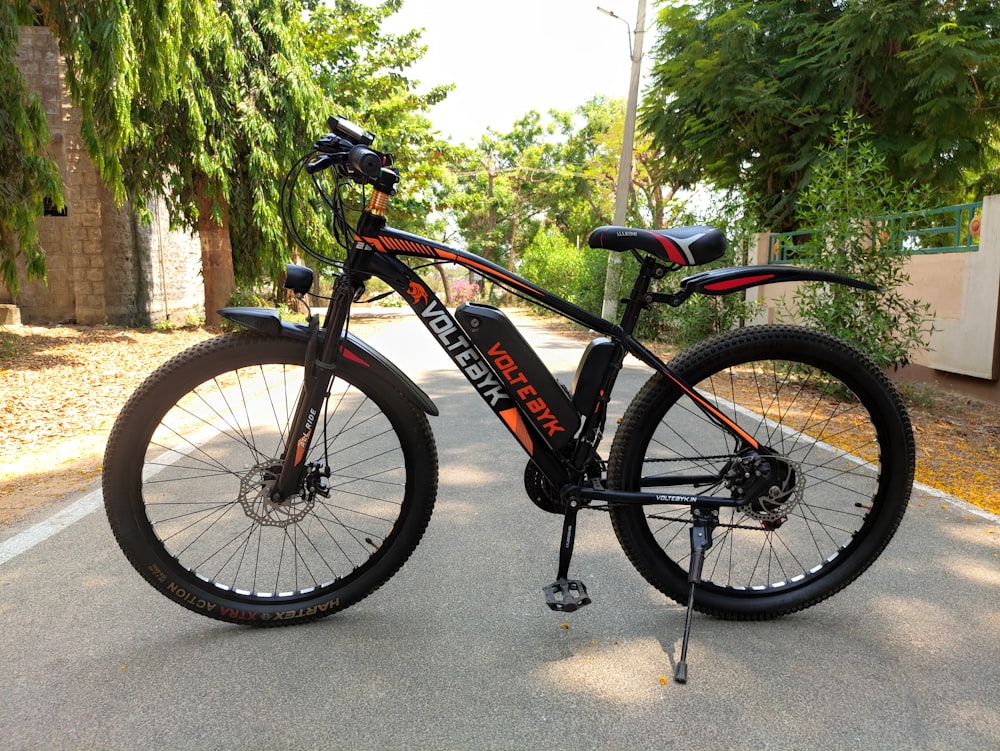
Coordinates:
[320,164]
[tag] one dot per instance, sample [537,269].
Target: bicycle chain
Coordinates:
[693,460]
[681,520]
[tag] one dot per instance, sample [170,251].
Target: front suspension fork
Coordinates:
[320,368]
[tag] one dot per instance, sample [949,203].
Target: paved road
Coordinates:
[458,651]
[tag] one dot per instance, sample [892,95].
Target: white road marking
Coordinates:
[25,541]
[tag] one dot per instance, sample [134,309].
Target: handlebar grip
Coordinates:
[365,161]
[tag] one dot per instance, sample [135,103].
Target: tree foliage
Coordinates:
[495,204]
[582,194]
[364,72]
[549,182]
[553,262]
[27,174]
[212,103]
[743,94]
[124,60]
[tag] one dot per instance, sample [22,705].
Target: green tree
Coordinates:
[224,146]
[150,80]
[209,101]
[254,109]
[364,71]
[27,174]
[581,195]
[553,262]
[561,175]
[495,204]
[743,94]
[212,102]
[122,59]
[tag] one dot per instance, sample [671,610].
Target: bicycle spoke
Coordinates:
[242,541]
[805,497]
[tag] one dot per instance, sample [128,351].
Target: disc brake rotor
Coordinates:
[778,490]
[255,498]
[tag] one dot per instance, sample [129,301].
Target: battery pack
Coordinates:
[537,394]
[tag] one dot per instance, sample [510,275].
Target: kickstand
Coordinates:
[702,523]
[566,595]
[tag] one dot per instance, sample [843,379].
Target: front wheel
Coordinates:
[821,497]
[190,458]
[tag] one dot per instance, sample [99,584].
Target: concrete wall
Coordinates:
[963,290]
[103,265]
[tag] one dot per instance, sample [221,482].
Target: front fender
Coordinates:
[268,321]
[724,281]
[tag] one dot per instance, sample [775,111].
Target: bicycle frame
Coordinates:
[376,251]
[378,255]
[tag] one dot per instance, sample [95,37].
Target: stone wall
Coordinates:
[176,290]
[104,266]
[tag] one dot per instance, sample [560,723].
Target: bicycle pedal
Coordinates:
[566,595]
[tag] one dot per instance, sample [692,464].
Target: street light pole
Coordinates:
[612,282]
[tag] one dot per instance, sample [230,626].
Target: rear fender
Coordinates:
[725,281]
[268,321]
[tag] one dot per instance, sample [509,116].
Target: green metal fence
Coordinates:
[952,229]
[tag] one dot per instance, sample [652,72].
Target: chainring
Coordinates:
[541,492]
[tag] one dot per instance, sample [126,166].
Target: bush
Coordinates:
[849,194]
[463,291]
[553,262]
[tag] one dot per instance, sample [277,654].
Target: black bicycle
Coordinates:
[278,475]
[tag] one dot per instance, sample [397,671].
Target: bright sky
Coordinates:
[509,57]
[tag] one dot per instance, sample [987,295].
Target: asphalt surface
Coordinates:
[459,651]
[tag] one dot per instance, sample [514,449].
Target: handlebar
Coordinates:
[347,148]
[345,151]
[366,161]
[319,164]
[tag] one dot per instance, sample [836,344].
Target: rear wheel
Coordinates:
[822,497]
[189,459]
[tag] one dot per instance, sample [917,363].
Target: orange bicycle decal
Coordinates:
[417,293]
[389,243]
[516,424]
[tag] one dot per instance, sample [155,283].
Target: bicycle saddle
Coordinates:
[685,246]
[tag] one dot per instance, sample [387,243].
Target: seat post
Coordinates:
[640,299]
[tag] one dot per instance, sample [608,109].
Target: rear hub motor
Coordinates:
[770,485]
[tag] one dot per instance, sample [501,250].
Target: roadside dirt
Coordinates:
[62,387]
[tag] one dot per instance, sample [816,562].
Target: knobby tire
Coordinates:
[821,405]
[186,464]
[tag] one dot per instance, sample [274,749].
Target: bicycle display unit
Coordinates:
[282,473]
